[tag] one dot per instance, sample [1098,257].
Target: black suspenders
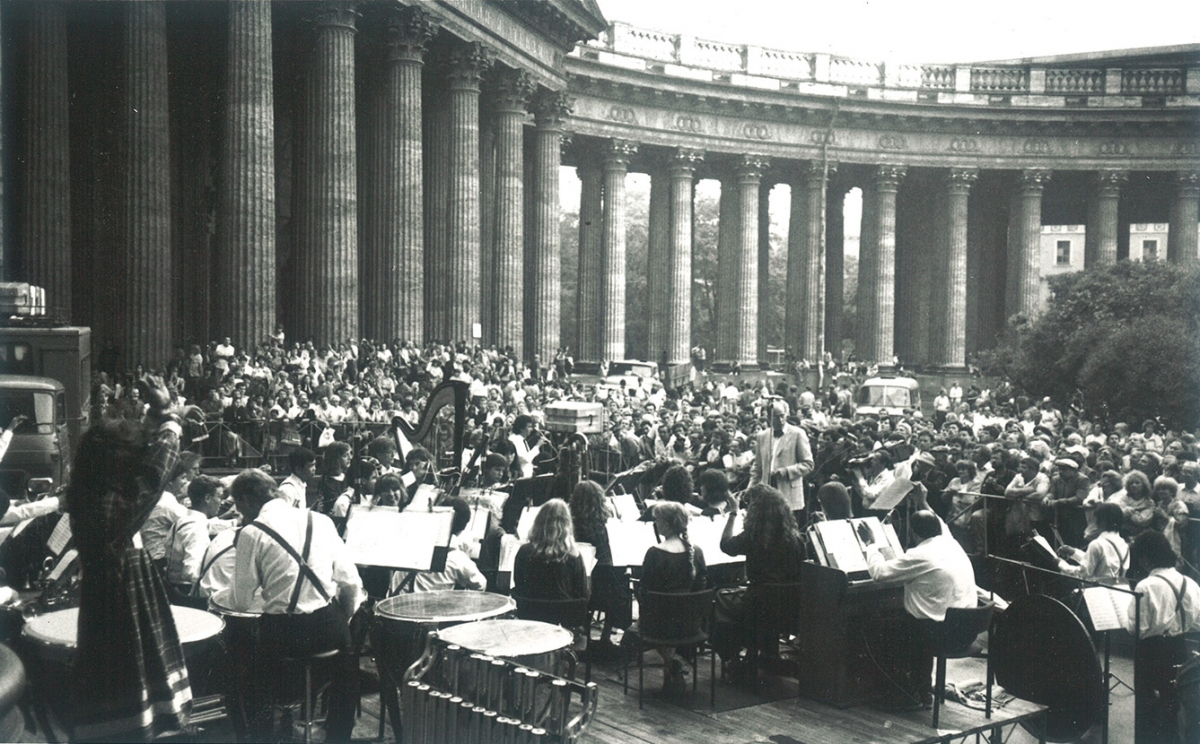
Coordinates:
[306,571]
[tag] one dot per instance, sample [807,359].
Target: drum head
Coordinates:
[1041,652]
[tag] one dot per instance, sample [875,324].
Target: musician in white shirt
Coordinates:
[310,589]
[1107,556]
[188,539]
[522,432]
[294,488]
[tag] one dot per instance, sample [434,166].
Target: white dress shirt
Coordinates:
[937,574]
[263,562]
[157,527]
[1161,615]
[294,491]
[525,454]
[218,566]
[185,550]
[1106,559]
[460,572]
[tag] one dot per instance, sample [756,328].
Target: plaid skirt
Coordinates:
[129,677]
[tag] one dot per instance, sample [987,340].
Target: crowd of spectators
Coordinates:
[1053,465]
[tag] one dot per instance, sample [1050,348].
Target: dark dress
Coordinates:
[610,588]
[667,573]
[129,676]
[535,577]
[778,565]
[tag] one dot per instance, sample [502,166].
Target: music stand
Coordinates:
[413,541]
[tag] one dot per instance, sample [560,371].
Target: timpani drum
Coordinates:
[54,635]
[527,642]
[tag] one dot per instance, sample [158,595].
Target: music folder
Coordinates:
[406,540]
[838,545]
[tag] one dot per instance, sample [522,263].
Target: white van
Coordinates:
[887,396]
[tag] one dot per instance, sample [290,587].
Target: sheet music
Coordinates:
[892,494]
[705,533]
[404,540]
[476,529]
[63,565]
[1109,608]
[1044,544]
[60,536]
[629,541]
[528,514]
[588,552]
[493,500]
[424,498]
[625,507]
[841,546]
[509,545]
[887,548]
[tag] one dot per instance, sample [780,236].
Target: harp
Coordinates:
[441,429]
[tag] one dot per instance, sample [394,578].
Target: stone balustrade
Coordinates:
[680,55]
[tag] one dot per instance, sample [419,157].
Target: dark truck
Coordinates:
[45,375]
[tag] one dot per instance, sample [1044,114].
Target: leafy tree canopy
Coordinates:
[1123,340]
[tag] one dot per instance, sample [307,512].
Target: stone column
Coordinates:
[868,256]
[1185,212]
[246,211]
[728,269]
[513,89]
[764,271]
[835,268]
[591,216]
[550,110]
[327,233]
[436,157]
[806,266]
[886,183]
[467,63]
[146,208]
[617,155]
[954,323]
[393,266]
[47,202]
[749,175]
[678,289]
[1025,243]
[658,302]
[1101,235]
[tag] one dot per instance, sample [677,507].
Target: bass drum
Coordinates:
[1042,652]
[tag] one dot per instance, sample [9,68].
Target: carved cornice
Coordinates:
[409,31]
[618,153]
[1109,183]
[960,180]
[551,107]
[888,177]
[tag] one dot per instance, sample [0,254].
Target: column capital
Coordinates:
[328,15]
[618,153]
[1109,182]
[888,177]
[1033,180]
[511,89]
[409,31]
[466,64]
[683,162]
[1188,183]
[812,171]
[749,168]
[960,180]
[551,108]
[564,141]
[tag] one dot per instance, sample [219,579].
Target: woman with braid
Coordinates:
[674,566]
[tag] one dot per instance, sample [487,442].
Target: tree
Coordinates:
[1123,338]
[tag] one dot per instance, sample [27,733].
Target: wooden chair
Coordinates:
[676,620]
[955,639]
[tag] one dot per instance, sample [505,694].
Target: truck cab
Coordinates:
[39,457]
[887,396]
